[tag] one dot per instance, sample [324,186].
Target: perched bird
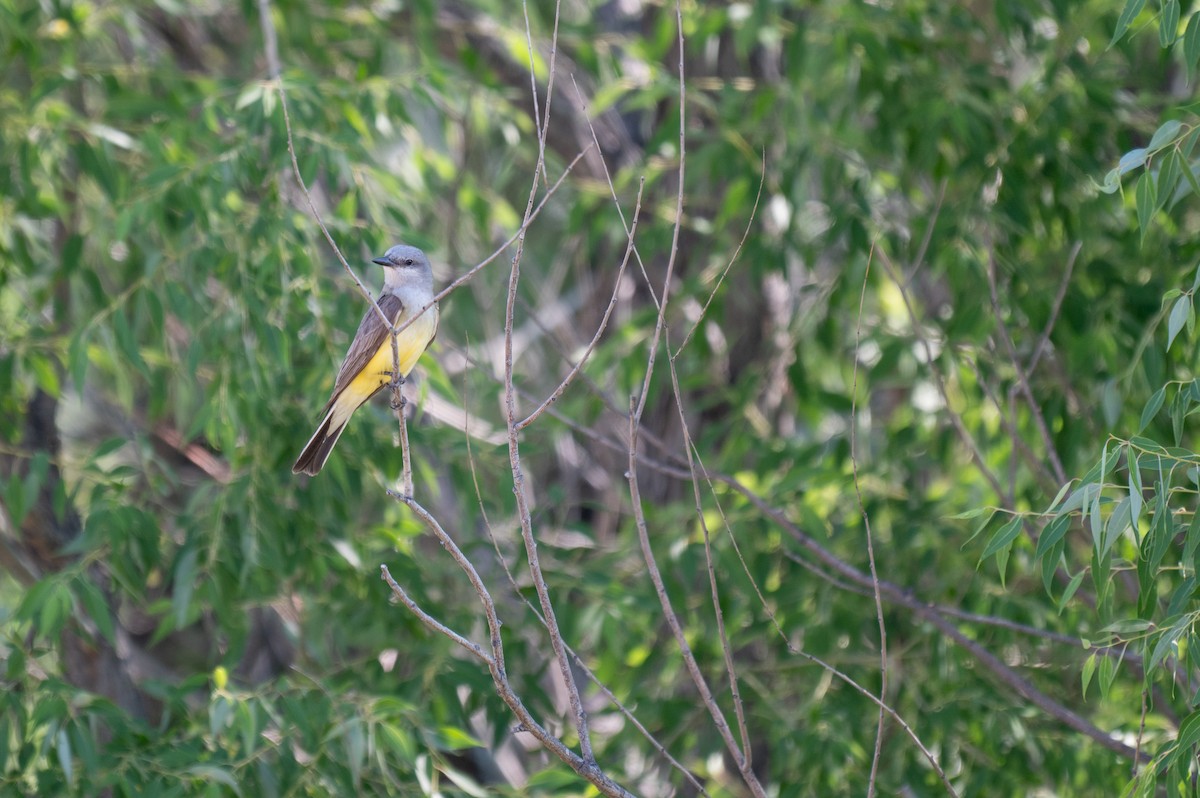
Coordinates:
[407,291]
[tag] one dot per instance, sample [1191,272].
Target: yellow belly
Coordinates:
[410,344]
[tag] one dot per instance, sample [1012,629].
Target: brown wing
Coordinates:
[372,332]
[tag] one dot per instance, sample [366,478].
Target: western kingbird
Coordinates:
[407,288]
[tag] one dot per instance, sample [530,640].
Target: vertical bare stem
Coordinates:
[514,458]
[883,664]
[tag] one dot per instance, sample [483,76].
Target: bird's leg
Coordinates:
[398,401]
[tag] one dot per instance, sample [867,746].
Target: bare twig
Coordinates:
[1022,380]
[637,408]
[1054,310]
[955,419]
[433,624]
[271,44]
[923,250]
[612,190]
[660,588]
[579,663]
[692,457]
[406,477]
[885,708]
[586,768]
[1007,420]
[899,595]
[762,179]
[862,509]
[892,592]
[545,126]
[612,303]
[514,457]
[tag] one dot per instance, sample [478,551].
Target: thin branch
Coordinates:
[612,190]
[545,125]
[514,458]
[1003,672]
[923,250]
[892,592]
[1055,309]
[955,419]
[692,457]
[660,588]
[271,44]
[637,408]
[406,476]
[864,588]
[1022,380]
[1040,470]
[612,303]
[862,509]
[762,179]
[433,624]
[579,663]
[884,707]
[588,769]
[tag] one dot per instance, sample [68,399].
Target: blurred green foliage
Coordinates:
[162,278]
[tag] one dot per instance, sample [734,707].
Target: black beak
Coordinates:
[382,261]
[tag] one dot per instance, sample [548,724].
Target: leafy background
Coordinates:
[1007,189]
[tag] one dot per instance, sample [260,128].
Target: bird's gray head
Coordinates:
[405,266]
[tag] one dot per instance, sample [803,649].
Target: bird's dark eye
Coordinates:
[408,262]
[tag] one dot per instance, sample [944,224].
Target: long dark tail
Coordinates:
[317,450]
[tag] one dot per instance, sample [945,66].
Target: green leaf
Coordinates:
[1135,490]
[399,740]
[973,513]
[62,747]
[1003,538]
[1112,181]
[1191,541]
[1134,159]
[1166,134]
[1169,174]
[1179,408]
[77,359]
[1165,645]
[455,739]
[1189,733]
[1080,497]
[1179,316]
[1144,198]
[96,607]
[1168,23]
[185,582]
[1128,14]
[211,773]
[1127,627]
[1069,593]
[1189,175]
[55,609]
[1052,534]
[355,741]
[1152,407]
[1162,531]
[1191,45]
[1058,497]
[1089,670]
[1118,522]
[1108,673]
[1099,471]
[991,512]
